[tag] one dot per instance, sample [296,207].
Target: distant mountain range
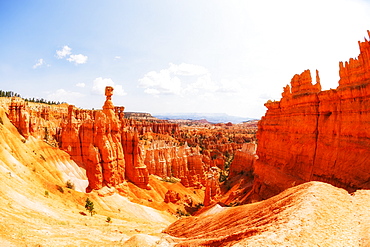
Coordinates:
[210,117]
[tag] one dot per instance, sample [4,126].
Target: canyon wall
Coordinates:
[39,120]
[317,135]
[114,148]
[110,147]
[244,159]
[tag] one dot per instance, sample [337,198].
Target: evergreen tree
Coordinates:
[89,206]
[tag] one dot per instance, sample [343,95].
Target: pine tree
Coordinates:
[89,206]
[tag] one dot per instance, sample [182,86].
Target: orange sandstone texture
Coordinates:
[317,135]
[97,140]
[171,196]
[136,170]
[311,214]
[212,186]
[244,159]
[113,148]
[39,120]
[93,141]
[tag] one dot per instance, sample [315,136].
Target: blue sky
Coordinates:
[177,55]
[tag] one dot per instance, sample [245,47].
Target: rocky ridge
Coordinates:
[317,135]
[301,216]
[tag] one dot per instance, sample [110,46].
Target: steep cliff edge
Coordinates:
[317,135]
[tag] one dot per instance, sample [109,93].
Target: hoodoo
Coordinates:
[99,140]
[317,135]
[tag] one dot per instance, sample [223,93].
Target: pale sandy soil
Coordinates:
[34,213]
[311,214]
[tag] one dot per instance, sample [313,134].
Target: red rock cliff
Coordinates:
[113,148]
[317,135]
[93,139]
[243,161]
[165,157]
[136,170]
[100,141]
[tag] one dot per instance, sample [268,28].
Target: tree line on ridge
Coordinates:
[34,100]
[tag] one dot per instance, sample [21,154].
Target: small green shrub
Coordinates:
[90,206]
[46,193]
[181,213]
[70,185]
[109,220]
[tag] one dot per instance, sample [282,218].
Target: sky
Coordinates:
[175,56]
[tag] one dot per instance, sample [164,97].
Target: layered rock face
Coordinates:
[243,161]
[104,142]
[155,126]
[136,170]
[19,116]
[212,186]
[108,145]
[41,121]
[317,135]
[93,138]
[113,148]
[164,157]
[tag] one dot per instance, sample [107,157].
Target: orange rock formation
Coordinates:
[114,148]
[136,170]
[212,186]
[317,135]
[100,142]
[243,160]
[171,196]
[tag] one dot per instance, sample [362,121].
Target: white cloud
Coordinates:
[118,90]
[152,91]
[77,59]
[39,63]
[65,51]
[161,82]
[232,86]
[117,57]
[100,83]
[187,69]
[81,84]
[177,80]
[185,80]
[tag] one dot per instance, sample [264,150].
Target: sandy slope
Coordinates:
[34,213]
[312,214]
